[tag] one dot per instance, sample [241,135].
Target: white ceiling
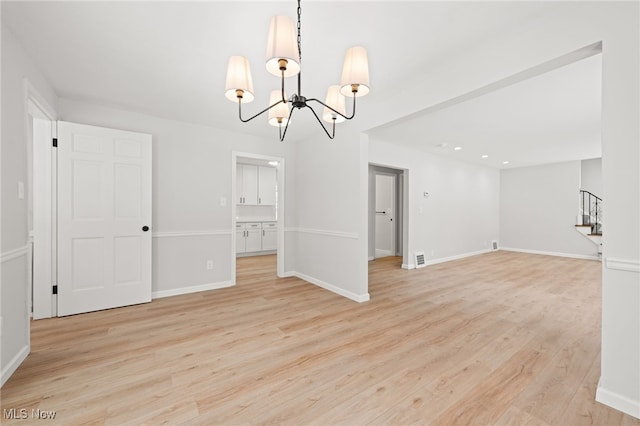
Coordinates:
[169,59]
[552,117]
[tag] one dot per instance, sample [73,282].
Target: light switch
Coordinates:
[20,190]
[223,201]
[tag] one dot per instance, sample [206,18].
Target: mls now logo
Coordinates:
[23,413]
[15,414]
[43,415]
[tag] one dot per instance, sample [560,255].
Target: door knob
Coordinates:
[145,228]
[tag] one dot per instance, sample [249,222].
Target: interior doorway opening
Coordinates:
[257,214]
[388,212]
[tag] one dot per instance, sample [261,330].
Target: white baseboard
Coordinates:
[13,365]
[383,253]
[551,253]
[371,258]
[193,289]
[618,402]
[332,288]
[408,266]
[457,257]
[288,274]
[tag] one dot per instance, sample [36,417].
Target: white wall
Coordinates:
[591,176]
[328,231]
[460,216]
[620,373]
[14,255]
[191,172]
[568,27]
[538,209]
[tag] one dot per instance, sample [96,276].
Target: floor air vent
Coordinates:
[494,245]
[420,262]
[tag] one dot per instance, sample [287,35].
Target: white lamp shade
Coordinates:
[355,71]
[239,78]
[279,111]
[335,100]
[282,44]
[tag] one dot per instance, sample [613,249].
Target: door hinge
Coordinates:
[55,142]
[55,289]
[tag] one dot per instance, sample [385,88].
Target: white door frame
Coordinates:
[394,201]
[280,209]
[402,192]
[44,302]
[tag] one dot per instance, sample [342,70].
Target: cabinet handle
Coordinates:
[259,200]
[263,232]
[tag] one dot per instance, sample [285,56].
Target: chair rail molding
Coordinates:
[628,265]
[204,233]
[14,254]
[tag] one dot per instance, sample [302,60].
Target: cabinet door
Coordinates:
[267,186]
[250,184]
[269,239]
[239,184]
[253,240]
[240,241]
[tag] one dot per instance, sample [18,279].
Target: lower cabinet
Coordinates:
[269,239]
[253,240]
[254,237]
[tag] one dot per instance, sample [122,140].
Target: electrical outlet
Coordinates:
[209,264]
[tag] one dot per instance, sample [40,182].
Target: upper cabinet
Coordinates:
[255,185]
[267,185]
[247,184]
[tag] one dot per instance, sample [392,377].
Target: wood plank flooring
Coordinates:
[501,338]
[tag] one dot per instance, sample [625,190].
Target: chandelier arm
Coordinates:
[260,113]
[353,113]
[282,88]
[283,134]
[331,136]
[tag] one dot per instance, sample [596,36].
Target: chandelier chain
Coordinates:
[299,37]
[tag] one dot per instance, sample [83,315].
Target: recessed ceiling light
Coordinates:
[485,156]
[457,148]
[505,162]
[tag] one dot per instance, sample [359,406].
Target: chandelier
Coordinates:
[283,60]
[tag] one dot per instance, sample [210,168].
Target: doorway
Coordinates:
[41,164]
[385,229]
[257,213]
[387,212]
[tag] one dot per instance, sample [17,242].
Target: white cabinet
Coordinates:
[267,186]
[253,240]
[269,236]
[253,237]
[247,184]
[241,246]
[248,237]
[255,185]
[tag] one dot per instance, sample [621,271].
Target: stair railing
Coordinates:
[591,210]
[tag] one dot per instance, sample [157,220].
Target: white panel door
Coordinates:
[385,228]
[267,186]
[104,218]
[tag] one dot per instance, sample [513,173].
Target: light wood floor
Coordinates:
[501,338]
